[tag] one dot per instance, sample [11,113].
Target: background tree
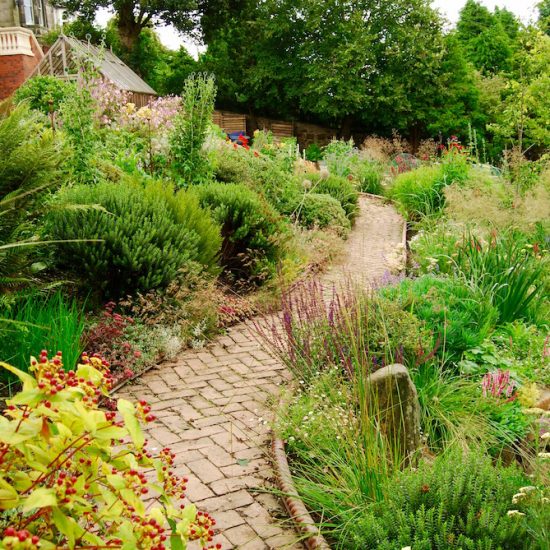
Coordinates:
[544,15]
[336,62]
[133,16]
[487,37]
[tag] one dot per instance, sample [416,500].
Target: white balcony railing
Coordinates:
[16,40]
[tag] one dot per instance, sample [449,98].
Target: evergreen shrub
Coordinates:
[251,228]
[144,235]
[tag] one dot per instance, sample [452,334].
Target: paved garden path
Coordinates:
[212,406]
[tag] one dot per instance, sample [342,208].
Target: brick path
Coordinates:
[212,407]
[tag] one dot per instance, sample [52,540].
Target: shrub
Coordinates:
[77,113]
[313,152]
[419,192]
[37,321]
[39,91]
[340,157]
[191,125]
[74,475]
[454,164]
[339,188]
[147,234]
[323,211]
[251,229]
[265,174]
[459,315]
[369,176]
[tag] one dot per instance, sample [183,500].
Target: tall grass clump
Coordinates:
[510,273]
[350,329]
[369,176]
[39,321]
[419,192]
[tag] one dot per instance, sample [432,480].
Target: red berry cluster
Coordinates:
[201,529]
[150,533]
[144,411]
[65,487]
[136,481]
[20,540]
[52,379]
[175,486]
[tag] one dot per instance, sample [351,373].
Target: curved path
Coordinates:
[212,406]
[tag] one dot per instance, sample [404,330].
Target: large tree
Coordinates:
[134,15]
[340,62]
[488,38]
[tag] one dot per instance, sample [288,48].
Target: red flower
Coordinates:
[256,154]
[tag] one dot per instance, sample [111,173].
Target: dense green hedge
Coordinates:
[252,229]
[146,235]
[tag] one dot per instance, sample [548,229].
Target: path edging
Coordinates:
[296,509]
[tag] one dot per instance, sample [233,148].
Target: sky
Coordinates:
[525,9]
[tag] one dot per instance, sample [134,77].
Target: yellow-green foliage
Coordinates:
[73,475]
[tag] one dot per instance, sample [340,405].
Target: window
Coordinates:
[28,11]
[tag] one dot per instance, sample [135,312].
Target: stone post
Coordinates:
[396,405]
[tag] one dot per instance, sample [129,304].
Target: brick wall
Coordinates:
[15,69]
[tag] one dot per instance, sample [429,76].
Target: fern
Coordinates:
[29,166]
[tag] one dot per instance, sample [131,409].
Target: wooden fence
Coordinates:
[304,132]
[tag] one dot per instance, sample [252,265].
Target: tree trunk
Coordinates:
[345,127]
[128,27]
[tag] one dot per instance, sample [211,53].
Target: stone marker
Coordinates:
[396,402]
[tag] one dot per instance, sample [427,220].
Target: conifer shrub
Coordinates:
[341,189]
[141,235]
[321,210]
[251,228]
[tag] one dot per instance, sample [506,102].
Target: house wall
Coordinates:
[9,14]
[15,69]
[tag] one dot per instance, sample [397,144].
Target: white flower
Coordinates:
[514,513]
[406,548]
[527,489]
[545,436]
[518,497]
[544,455]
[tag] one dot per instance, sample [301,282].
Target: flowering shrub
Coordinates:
[74,476]
[116,109]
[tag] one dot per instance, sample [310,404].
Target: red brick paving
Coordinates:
[212,408]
